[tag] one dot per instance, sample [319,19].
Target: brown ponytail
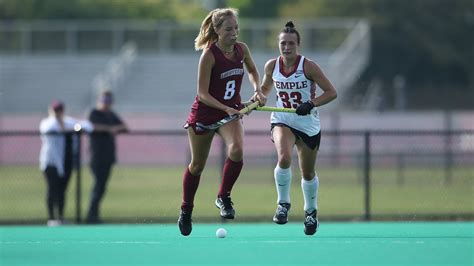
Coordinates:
[213,21]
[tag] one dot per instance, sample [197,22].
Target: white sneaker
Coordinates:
[54,223]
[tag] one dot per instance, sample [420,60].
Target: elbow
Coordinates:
[124,129]
[334,95]
[200,96]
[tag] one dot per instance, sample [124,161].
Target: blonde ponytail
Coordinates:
[207,34]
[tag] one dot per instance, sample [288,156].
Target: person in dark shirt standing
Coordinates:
[102,146]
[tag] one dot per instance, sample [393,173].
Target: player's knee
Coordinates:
[236,157]
[284,161]
[196,168]
[235,152]
[308,176]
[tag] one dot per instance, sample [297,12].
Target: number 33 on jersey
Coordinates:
[293,89]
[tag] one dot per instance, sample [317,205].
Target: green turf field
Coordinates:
[246,244]
[153,194]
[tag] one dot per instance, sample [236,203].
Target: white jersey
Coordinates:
[294,89]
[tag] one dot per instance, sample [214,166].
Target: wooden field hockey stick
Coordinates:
[229,118]
[275,109]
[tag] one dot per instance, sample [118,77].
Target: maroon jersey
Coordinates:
[226,79]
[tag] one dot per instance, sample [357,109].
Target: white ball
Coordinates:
[221,233]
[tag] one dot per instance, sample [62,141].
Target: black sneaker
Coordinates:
[225,204]
[311,222]
[281,213]
[185,223]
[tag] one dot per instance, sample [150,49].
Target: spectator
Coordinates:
[102,145]
[56,157]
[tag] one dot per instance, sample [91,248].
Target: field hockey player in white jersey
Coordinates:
[295,79]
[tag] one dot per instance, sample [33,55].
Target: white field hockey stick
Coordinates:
[275,109]
[229,118]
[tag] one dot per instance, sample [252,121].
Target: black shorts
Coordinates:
[312,142]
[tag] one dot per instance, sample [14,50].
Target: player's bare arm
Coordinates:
[267,81]
[315,73]
[254,76]
[206,63]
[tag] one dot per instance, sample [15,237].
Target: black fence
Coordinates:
[364,175]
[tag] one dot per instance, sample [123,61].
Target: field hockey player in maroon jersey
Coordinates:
[220,73]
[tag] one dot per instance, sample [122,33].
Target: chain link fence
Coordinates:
[364,175]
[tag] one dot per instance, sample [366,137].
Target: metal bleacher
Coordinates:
[167,83]
[29,83]
[161,79]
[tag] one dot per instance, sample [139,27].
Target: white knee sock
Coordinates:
[310,193]
[283,183]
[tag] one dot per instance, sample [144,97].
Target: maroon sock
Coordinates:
[229,175]
[190,186]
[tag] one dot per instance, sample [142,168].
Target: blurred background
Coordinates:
[398,143]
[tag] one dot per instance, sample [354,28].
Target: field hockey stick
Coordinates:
[275,109]
[249,107]
[229,118]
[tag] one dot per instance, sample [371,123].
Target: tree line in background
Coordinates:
[429,43]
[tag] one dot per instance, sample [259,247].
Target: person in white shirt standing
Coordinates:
[56,157]
[295,79]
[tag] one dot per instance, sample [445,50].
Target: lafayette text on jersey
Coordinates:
[293,89]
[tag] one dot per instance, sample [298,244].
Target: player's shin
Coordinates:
[190,186]
[310,193]
[283,184]
[230,174]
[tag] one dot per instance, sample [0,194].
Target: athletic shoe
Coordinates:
[225,204]
[185,223]
[311,223]
[281,214]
